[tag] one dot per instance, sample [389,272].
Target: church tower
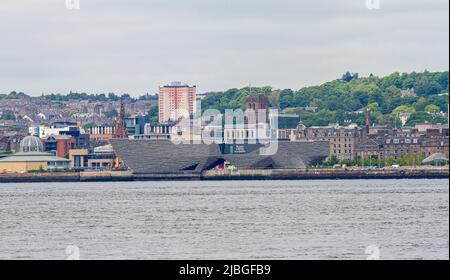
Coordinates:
[121,128]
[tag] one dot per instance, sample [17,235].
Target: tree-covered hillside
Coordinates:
[344,100]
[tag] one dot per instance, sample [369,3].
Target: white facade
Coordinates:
[43,131]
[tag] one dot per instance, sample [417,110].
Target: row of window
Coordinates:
[398,141]
[342,152]
[339,145]
[240,134]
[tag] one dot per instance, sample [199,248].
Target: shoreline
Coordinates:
[230,175]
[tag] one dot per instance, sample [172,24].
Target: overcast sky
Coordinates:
[134,46]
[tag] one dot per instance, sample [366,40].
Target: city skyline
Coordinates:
[225,130]
[109,46]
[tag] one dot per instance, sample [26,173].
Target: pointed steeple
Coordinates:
[121,128]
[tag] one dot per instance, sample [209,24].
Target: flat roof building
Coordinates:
[176,101]
[32,158]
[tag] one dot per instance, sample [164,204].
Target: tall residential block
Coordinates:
[176,100]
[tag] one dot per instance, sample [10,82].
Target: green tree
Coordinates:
[373,107]
[392,90]
[425,117]
[432,108]
[111,113]
[153,114]
[89,125]
[286,98]
[403,109]
[333,160]
[347,77]
[426,87]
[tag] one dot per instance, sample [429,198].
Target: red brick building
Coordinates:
[60,145]
[176,101]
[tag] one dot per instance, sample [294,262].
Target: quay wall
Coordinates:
[66,177]
[323,174]
[211,175]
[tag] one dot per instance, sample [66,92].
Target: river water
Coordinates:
[386,219]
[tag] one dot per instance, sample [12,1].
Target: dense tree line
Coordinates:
[84,96]
[80,96]
[14,95]
[97,97]
[344,99]
[405,160]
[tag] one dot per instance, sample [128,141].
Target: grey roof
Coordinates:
[33,157]
[162,156]
[370,143]
[435,157]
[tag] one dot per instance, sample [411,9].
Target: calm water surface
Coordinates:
[405,219]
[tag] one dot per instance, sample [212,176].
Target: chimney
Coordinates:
[368,120]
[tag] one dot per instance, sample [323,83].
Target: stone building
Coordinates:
[255,104]
[10,141]
[408,93]
[414,142]
[343,140]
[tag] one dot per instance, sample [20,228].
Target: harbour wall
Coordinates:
[224,175]
[43,177]
[325,174]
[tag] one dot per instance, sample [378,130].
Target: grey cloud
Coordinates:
[134,46]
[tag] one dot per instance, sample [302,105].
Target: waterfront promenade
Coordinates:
[211,175]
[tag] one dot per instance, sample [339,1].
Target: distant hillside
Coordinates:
[342,100]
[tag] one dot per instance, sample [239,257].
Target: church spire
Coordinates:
[121,128]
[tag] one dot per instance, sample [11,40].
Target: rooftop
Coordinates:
[31,150]
[33,157]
